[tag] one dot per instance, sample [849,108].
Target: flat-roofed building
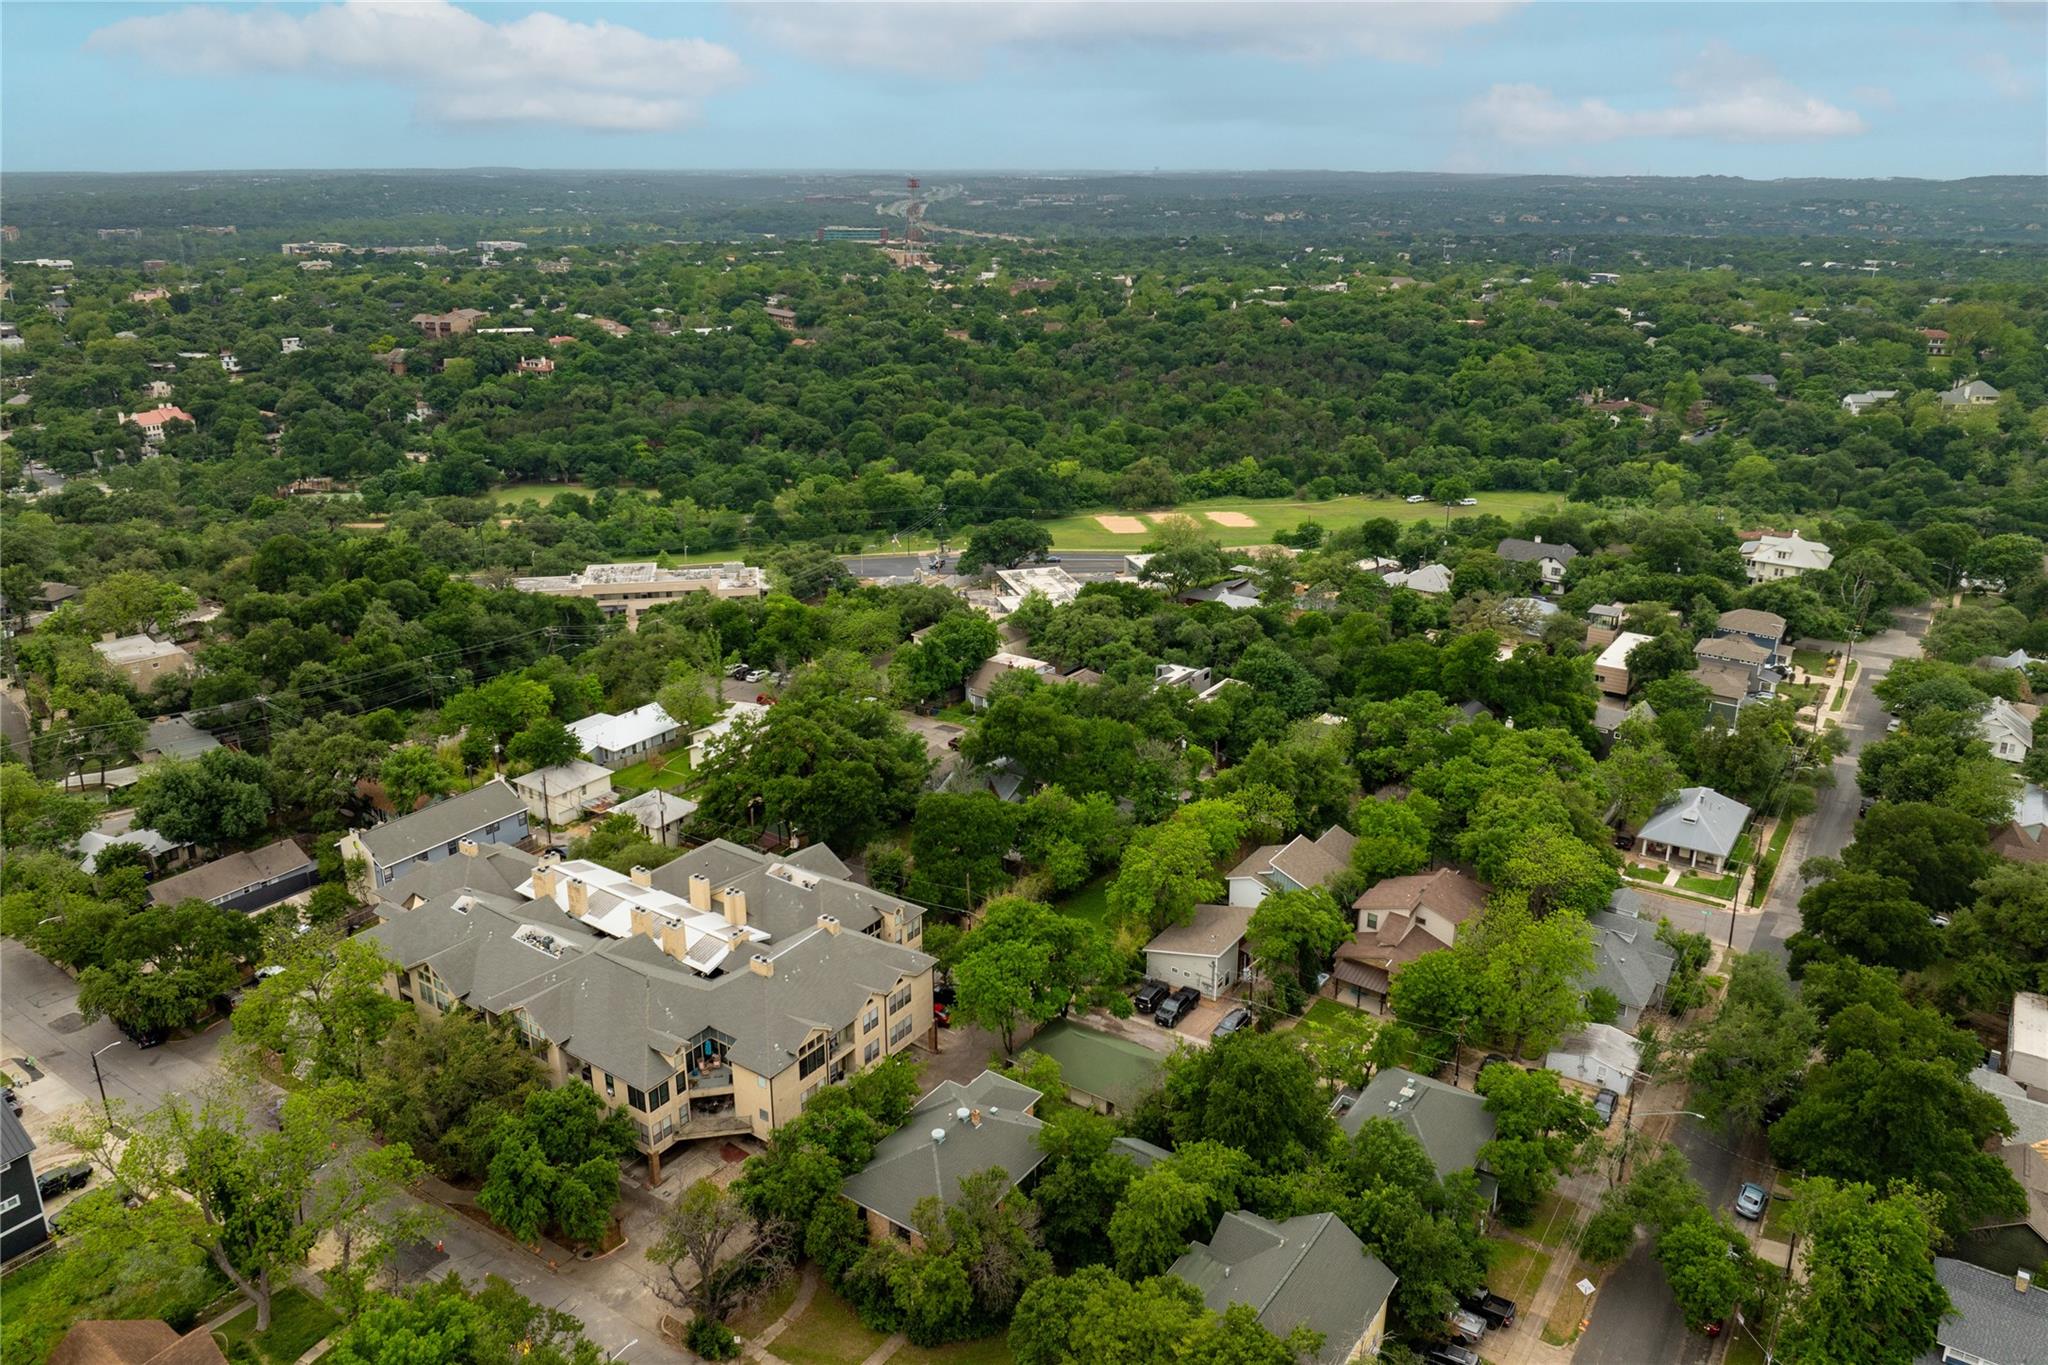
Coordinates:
[629,589]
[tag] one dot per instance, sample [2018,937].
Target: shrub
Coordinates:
[713,1340]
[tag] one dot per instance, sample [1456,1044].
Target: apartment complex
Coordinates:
[688,1011]
[492,813]
[629,589]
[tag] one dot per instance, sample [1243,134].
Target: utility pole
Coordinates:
[98,1080]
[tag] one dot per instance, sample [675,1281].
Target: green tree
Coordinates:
[1871,918]
[555,1164]
[1751,1054]
[1869,1292]
[324,1014]
[1527,974]
[545,743]
[411,773]
[1254,1092]
[1169,869]
[1082,1175]
[1003,545]
[445,1320]
[958,841]
[1393,839]
[441,1085]
[1706,1262]
[1540,1130]
[699,1237]
[40,815]
[1291,937]
[218,799]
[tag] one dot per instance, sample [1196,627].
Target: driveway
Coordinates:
[937,733]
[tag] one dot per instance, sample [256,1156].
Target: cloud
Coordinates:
[952,40]
[1723,96]
[2002,77]
[459,68]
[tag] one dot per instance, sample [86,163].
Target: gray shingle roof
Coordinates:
[1734,649]
[236,872]
[1214,931]
[497,868]
[1313,862]
[1451,1124]
[1142,1153]
[175,736]
[1750,621]
[443,822]
[775,902]
[1699,819]
[1518,551]
[910,1165]
[1627,958]
[1993,1322]
[1310,1270]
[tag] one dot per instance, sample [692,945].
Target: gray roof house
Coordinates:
[22,1224]
[1207,952]
[1629,962]
[661,815]
[1309,1271]
[1974,393]
[250,881]
[784,893]
[492,813]
[2008,727]
[1294,866]
[954,1132]
[1551,558]
[1451,1124]
[1996,1321]
[496,868]
[177,737]
[1699,827]
[1429,580]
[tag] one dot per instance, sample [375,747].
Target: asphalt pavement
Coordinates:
[1079,563]
[1635,1321]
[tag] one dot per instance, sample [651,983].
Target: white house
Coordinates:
[1698,827]
[1610,669]
[1430,580]
[661,815]
[2026,1043]
[618,740]
[2008,727]
[1859,403]
[997,665]
[1769,558]
[1599,1055]
[560,795]
[1294,866]
[1550,560]
[708,739]
[1974,393]
[1207,952]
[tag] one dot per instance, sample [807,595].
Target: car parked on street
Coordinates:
[1751,1199]
[1177,1007]
[1238,1018]
[1451,1353]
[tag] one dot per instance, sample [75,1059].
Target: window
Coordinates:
[873,1050]
[610,1090]
[10,1203]
[806,1098]
[899,1031]
[874,1017]
[810,1058]
[900,999]
[1372,919]
[637,1097]
[657,1097]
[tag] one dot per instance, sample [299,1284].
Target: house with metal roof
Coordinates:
[176,737]
[249,881]
[1310,1271]
[955,1131]
[22,1224]
[1699,827]
[1207,952]
[1551,558]
[1431,580]
[1769,558]
[491,813]
[615,741]
[1599,1056]
[696,1021]
[1451,1124]
[1297,865]
[1995,1319]
[2008,727]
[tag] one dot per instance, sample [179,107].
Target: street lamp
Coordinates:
[100,1081]
[614,1355]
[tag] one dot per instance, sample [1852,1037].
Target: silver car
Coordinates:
[1750,1199]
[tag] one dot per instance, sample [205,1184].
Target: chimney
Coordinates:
[829,923]
[760,964]
[975,1118]
[579,897]
[468,848]
[735,907]
[2022,1281]
[700,891]
[1539,540]
[107,637]
[544,881]
[641,876]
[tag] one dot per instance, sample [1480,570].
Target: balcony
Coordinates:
[713,1119]
[706,1078]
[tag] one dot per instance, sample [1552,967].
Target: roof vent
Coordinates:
[2022,1281]
[961,1113]
[938,1136]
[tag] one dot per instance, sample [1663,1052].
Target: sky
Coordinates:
[1649,87]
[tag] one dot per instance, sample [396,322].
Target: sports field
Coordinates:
[1252,521]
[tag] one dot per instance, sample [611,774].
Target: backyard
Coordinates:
[666,771]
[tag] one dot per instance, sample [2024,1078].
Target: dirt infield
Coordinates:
[1234,519]
[1121,526]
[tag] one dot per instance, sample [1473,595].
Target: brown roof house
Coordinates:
[149,1341]
[2025,838]
[1400,919]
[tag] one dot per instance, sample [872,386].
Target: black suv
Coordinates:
[58,1179]
[1176,1007]
[1150,997]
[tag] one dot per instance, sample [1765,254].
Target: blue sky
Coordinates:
[1760,90]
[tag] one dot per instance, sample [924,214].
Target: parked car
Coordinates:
[943,993]
[1624,840]
[1230,1023]
[1468,502]
[736,672]
[1497,1309]
[941,1015]
[1177,1007]
[1151,996]
[1938,920]
[13,1101]
[1451,1353]
[755,675]
[143,1037]
[58,1179]
[1467,1326]
[1415,497]
[1751,1199]
[1603,1106]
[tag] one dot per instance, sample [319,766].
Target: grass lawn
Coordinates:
[1814,662]
[987,1351]
[828,1332]
[1722,887]
[1090,903]
[1516,1270]
[297,1321]
[754,1319]
[1561,1328]
[1778,1219]
[1743,1351]
[665,771]
[1768,869]
[1802,694]
[1552,1222]
[1328,1018]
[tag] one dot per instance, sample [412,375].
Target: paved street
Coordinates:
[1635,1319]
[1079,563]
